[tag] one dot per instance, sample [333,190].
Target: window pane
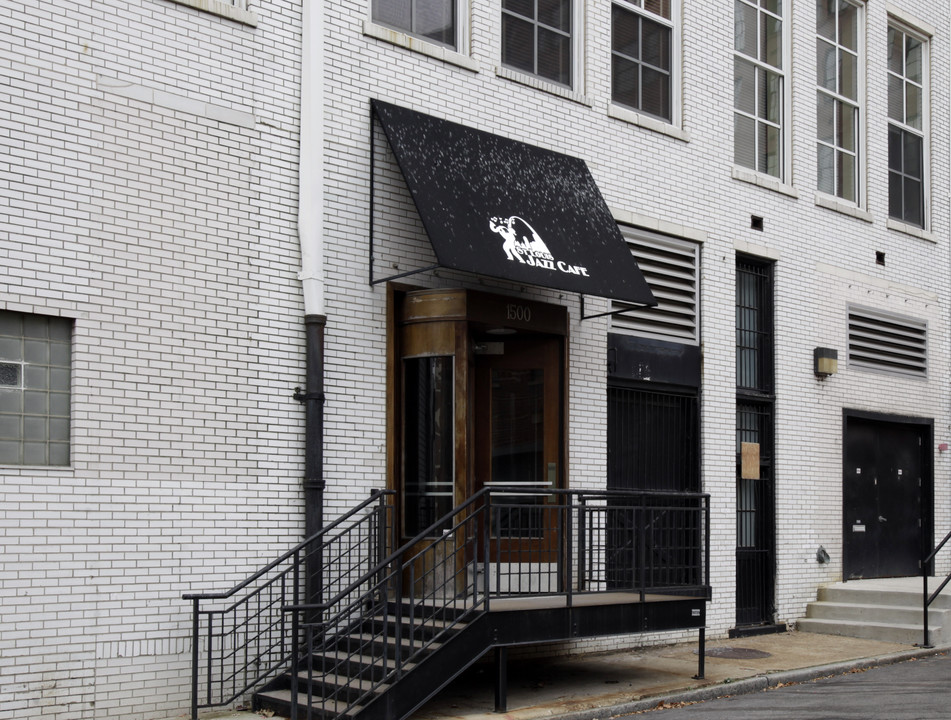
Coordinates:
[774,6]
[59,429]
[656,50]
[392,12]
[59,404]
[912,165]
[825,111]
[35,402]
[848,25]
[34,429]
[770,151]
[59,354]
[434,19]
[744,86]
[896,51]
[744,143]
[825,19]
[10,453]
[913,202]
[36,377]
[846,189]
[554,56]
[555,13]
[825,65]
[913,60]
[770,96]
[848,75]
[35,326]
[624,82]
[895,195]
[36,351]
[845,135]
[10,374]
[656,99]
[894,149]
[10,427]
[525,8]
[772,44]
[913,106]
[658,7]
[11,348]
[34,453]
[11,401]
[744,28]
[826,162]
[61,330]
[517,44]
[11,324]
[625,32]
[896,99]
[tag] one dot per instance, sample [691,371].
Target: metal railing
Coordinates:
[928,599]
[501,543]
[242,637]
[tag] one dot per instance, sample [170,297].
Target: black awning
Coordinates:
[510,210]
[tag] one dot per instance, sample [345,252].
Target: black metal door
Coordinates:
[882,498]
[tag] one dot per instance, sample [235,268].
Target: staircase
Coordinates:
[888,609]
[343,627]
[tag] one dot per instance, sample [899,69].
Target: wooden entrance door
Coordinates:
[518,444]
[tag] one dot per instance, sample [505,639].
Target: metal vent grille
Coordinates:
[885,342]
[670,268]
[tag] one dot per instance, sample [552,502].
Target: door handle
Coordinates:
[882,519]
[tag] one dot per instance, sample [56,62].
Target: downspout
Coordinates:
[310,214]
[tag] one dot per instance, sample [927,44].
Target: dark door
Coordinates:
[882,494]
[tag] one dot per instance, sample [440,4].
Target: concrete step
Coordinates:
[875,613]
[882,592]
[905,634]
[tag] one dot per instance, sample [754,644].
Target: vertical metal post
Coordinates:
[195,640]
[486,559]
[640,512]
[924,595]
[582,542]
[295,629]
[568,509]
[501,679]
[702,649]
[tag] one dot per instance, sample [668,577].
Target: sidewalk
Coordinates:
[590,687]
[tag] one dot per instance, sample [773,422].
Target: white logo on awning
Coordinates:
[522,244]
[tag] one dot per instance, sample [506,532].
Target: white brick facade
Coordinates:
[148,191]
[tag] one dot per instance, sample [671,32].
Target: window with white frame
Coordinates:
[537,38]
[670,266]
[35,359]
[643,53]
[432,20]
[838,101]
[759,86]
[907,139]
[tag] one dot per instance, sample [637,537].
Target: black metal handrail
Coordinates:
[927,598]
[247,641]
[385,621]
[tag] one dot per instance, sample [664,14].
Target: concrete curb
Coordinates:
[749,685]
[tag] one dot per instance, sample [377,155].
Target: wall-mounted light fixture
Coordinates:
[825,362]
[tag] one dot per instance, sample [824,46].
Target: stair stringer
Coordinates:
[431,674]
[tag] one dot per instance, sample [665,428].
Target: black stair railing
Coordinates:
[928,599]
[501,543]
[242,637]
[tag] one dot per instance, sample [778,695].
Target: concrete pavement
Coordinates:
[590,687]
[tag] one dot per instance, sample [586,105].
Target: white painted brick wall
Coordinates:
[148,191]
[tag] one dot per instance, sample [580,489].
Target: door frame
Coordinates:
[926,427]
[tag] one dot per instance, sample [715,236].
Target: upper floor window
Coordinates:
[758,86]
[537,38]
[643,56]
[838,102]
[907,140]
[433,20]
[34,389]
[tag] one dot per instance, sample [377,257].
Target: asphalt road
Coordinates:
[911,690]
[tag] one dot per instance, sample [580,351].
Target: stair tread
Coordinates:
[345,681]
[428,622]
[285,695]
[877,606]
[365,638]
[864,623]
[362,659]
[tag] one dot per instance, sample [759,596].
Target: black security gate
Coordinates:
[886,491]
[755,476]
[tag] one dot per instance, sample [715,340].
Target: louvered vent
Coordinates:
[891,343]
[670,268]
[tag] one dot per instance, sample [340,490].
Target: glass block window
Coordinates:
[433,20]
[537,38]
[642,54]
[35,354]
[838,71]
[758,85]
[907,91]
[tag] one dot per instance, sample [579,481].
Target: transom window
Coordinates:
[838,72]
[907,77]
[433,20]
[537,38]
[34,389]
[642,41]
[758,86]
